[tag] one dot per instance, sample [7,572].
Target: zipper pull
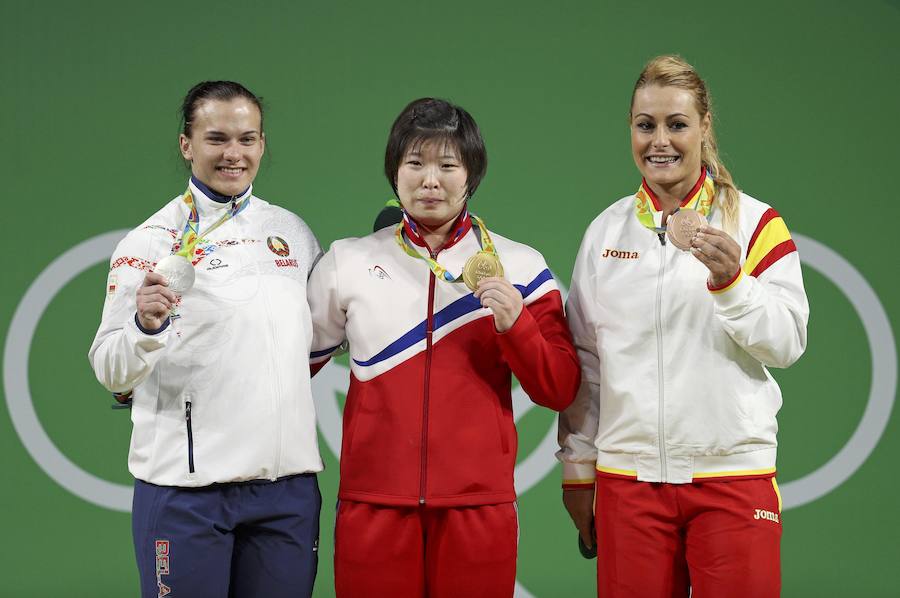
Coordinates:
[187,411]
[662,238]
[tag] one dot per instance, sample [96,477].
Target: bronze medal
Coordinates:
[480,266]
[682,226]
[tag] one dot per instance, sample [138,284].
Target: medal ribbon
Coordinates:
[190,237]
[484,239]
[700,199]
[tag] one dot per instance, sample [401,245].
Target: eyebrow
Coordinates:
[443,157]
[669,116]
[250,132]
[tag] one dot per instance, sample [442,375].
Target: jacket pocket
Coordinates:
[190,435]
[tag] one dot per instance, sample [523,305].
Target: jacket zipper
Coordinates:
[429,328]
[659,359]
[190,435]
[276,467]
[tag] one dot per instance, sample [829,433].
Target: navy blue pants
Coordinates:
[235,540]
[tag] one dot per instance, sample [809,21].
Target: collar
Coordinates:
[462,225]
[649,211]
[209,201]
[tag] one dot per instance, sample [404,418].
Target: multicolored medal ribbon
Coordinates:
[687,218]
[483,264]
[177,268]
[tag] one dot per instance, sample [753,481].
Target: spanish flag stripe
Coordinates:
[778,252]
[617,472]
[730,474]
[773,233]
[766,217]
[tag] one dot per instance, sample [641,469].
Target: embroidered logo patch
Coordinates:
[111,283]
[378,272]
[278,246]
[215,264]
[767,515]
[288,263]
[620,254]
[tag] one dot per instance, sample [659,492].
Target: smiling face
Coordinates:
[431,183]
[225,145]
[666,138]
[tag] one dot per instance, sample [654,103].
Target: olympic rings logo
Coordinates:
[334,379]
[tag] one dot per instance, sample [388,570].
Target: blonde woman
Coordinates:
[683,295]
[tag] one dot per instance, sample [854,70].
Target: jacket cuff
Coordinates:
[147,331]
[725,287]
[521,332]
[734,294]
[578,476]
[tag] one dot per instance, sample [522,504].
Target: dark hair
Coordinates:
[214,90]
[428,119]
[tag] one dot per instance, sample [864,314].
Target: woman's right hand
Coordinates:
[154,301]
[580,505]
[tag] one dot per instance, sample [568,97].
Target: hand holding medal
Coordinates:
[503,299]
[483,274]
[154,301]
[718,252]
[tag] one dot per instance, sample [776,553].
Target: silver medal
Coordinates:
[178,272]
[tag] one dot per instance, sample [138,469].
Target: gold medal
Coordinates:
[480,266]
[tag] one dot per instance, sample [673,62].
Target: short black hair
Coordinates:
[428,119]
[214,90]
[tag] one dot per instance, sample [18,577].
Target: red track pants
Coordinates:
[716,538]
[414,552]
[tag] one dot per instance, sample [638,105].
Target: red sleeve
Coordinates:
[539,351]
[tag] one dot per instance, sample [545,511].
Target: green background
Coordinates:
[805,96]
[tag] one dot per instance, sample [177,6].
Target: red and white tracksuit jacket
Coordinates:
[428,418]
[675,386]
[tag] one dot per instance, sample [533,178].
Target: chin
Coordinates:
[232,188]
[664,177]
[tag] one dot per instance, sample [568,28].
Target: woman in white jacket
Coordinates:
[683,295]
[223,448]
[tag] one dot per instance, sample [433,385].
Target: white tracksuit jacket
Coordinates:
[222,393]
[675,386]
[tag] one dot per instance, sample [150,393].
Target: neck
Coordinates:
[670,198]
[436,237]
[212,193]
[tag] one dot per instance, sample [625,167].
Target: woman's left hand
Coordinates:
[502,298]
[718,252]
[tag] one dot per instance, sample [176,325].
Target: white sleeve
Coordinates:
[766,314]
[578,423]
[329,316]
[123,354]
[311,245]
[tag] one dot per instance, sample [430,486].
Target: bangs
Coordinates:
[445,140]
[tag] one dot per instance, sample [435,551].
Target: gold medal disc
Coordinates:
[480,266]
